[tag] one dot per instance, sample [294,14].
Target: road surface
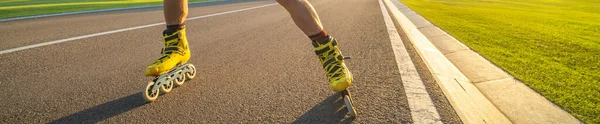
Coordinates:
[254,66]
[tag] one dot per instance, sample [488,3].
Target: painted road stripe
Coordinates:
[92,11]
[422,109]
[121,30]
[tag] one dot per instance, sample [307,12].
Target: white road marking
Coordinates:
[422,109]
[121,30]
[90,11]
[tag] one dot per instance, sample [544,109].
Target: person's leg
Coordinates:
[304,15]
[175,11]
[176,49]
[331,58]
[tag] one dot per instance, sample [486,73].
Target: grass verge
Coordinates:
[18,8]
[553,46]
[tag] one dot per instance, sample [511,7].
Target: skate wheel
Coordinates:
[180,80]
[191,73]
[348,101]
[349,106]
[148,94]
[166,88]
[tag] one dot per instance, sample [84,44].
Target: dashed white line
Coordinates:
[421,107]
[120,30]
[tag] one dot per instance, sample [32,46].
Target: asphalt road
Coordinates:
[254,66]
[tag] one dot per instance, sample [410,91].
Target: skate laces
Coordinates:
[171,46]
[330,57]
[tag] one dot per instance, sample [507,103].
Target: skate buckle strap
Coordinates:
[169,50]
[169,37]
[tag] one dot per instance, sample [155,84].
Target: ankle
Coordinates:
[173,28]
[319,37]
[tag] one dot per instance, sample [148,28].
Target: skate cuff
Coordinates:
[319,36]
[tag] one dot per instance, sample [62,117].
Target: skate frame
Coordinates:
[175,73]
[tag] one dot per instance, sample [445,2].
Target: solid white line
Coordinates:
[121,30]
[422,109]
[90,11]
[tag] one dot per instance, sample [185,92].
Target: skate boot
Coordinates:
[339,76]
[332,60]
[176,52]
[172,67]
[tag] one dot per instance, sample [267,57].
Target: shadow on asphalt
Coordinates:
[104,111]
[331,110]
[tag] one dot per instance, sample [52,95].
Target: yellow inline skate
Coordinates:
[334,65]
[171,69]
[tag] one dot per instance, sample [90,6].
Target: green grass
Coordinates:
[553,46]
[17,8]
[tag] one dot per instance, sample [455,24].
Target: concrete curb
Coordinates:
[468,102]
[479,91]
